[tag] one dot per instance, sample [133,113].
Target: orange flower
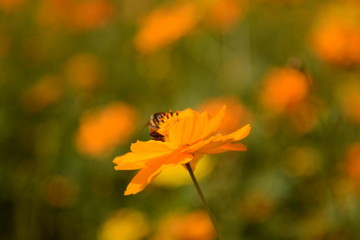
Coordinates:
[224,14]
[352,163]
[284,89]
[190,226]
[348,95]
[166,25]
[88,15]
[101,130]
[336,34]
[10,5]
[84,71]
[187,136]
[46,91]
[77,15]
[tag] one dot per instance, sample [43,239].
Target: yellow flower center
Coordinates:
[167,121]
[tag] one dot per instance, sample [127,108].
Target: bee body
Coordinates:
[154,122]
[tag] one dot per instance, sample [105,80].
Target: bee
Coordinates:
[153,124]
[155,121]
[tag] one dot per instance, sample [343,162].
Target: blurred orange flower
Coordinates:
[5,44]
[45,92]
[336,33]
[282,2]
[87,15]
[257,206]
[60,191]
[224,14]
[236,114]
[352,163]
[284,89]
[165,25]
[348,95]
[102,129]
[10,5]
[79,15]
[83,71]
[187,136]
[306,116]
[191,226]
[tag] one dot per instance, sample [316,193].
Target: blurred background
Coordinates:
[80,78]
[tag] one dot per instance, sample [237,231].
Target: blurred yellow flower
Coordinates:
[335,36]
[187,135]
[83,71]
[348,95]
[60,191]
[191,226]
[45,92]
[101,130]
[284,89]
[316,224]
[124,224]
[165,25]
[302,161]
[178,175]
[236,114]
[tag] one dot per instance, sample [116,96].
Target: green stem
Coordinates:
[204,202]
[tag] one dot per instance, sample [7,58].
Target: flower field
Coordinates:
[81,82]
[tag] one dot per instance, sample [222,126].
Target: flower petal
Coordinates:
[151,146]
[182,132]
[180,158]
[207,126]
[212,144]
[241,133]
[223,148]
[144,154]
[132,161]
[195,126]
[143,178]
[217,120]
[220,143]
[145,175]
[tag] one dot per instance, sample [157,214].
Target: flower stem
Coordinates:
[204,202]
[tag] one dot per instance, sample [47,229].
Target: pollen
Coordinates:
[167,121]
